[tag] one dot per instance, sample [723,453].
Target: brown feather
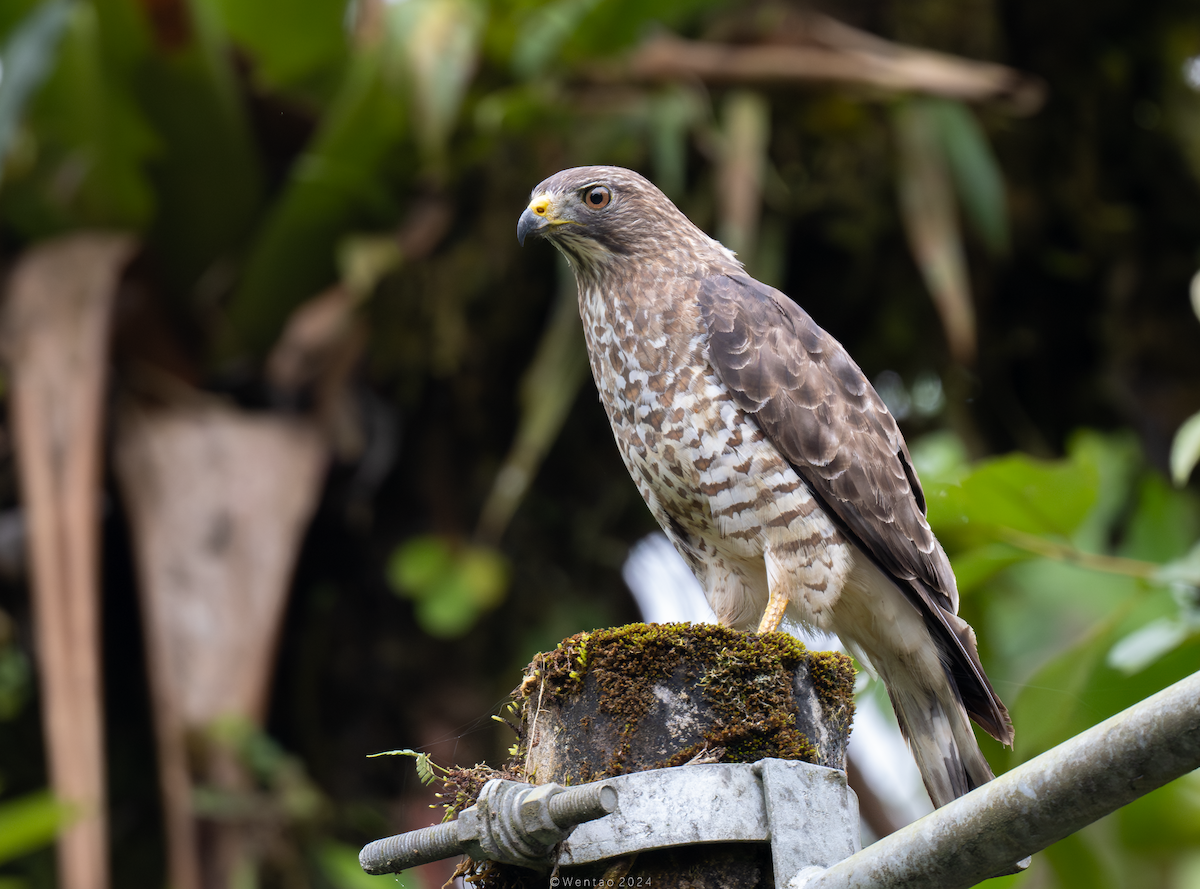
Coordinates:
[818,408]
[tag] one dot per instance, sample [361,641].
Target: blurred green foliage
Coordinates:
[451,585]
[267,150]
[1082,579]
[27,823]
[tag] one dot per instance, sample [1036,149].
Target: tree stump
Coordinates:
[651,696]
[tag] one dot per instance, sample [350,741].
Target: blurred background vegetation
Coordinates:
[324,197]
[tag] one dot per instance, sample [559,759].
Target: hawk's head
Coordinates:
[595,215]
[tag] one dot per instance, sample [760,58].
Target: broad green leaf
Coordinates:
[28,823]
[1051,707]
[25,61]
[93,141]
[306,53]
[976,173]
[974,567]
[207,176]
[1015,492]
[1165,522]
[939,457]
[1147,644]
[1117,460]
[545,31]
[334,187]
[1039,608]
[1185,450]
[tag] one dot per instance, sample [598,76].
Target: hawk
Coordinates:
[768,458]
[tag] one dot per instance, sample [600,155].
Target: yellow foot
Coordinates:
[776,605]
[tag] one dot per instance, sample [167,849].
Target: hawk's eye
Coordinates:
[597,198]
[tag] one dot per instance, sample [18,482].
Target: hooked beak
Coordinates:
[538,217]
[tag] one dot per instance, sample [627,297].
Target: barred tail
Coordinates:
[938,731]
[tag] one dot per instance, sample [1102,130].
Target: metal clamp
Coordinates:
[807,813]
[511,822]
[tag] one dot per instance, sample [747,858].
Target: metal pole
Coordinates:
[1038,803]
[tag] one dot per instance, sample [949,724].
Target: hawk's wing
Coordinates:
[816,406]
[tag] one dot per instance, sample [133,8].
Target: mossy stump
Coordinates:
[649,696]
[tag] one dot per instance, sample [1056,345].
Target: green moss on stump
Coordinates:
[711,693]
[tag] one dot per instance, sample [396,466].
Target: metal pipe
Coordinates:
[1036,804]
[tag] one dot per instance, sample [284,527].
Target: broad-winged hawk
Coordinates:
[769,460]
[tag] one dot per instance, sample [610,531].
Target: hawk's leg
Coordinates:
[777,604]
[804,577]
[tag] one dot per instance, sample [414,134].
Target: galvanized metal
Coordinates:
[513,823]
[1034,805]
[807,813]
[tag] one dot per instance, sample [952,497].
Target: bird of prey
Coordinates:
[768,458]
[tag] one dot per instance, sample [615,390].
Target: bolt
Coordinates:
[394,854]
[587,802]
[512,822]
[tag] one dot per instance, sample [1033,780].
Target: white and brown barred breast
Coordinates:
[719,488]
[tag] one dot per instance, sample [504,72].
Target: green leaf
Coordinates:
[303,55]
[450,585]
[1117,461]
[939,457]
[26,59]
[93,141]
[1185,450]
[1147,644]
[1077,865]
[545,32]
[334,187]
[976,566]
[208,177]
[975,171]
[419,565]
[28,823]
[1165,521]
[1016,492]
[1048,710]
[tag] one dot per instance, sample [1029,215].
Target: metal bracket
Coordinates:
[807,813]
